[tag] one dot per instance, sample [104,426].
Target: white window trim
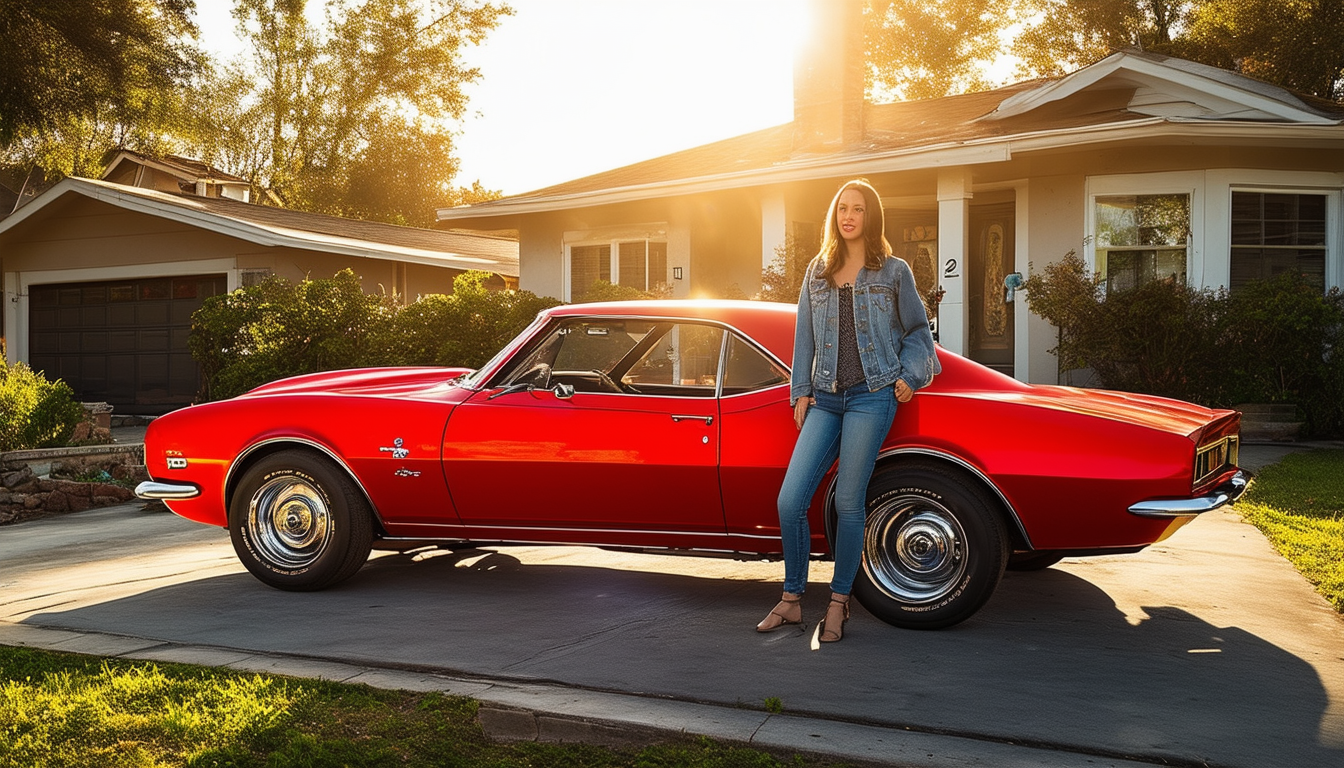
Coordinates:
[1169,183]
[612,238]
[1221,183]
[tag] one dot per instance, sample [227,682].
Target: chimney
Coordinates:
[828,79]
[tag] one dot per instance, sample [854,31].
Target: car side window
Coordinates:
[683,362]
[747,369]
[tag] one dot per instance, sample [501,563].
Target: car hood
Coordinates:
[362,381]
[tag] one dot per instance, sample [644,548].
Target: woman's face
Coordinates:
[849,215]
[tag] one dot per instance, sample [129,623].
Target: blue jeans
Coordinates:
[851,425]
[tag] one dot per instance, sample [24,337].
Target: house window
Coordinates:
[639,264]
[643,264]
[1140,238]
[1273,233]
[587,265]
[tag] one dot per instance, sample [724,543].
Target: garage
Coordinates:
[123,342]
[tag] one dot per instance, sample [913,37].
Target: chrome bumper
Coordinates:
[1222,495]
[154,490]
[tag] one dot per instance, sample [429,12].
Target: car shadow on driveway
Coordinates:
[1051,660]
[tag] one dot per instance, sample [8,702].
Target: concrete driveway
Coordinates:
[1207,649]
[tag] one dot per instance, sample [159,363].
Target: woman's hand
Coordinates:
[903,391]
[800,410]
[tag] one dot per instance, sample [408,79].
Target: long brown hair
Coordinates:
[876,248]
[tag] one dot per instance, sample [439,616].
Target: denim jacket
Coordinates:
[889,322]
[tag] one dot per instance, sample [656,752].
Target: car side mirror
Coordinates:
[563,391]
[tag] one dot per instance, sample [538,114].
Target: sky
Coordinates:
[570,88]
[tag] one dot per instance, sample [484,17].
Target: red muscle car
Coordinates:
[665,426]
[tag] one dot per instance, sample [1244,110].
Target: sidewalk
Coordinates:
[520,711]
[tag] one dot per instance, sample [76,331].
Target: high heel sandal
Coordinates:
[829,634]
[776,619]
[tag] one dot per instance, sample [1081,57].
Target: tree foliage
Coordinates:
[355,118]
[82,77]
[1298,44]
[920,49]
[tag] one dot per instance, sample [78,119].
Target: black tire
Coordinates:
[298,523]
[1037,560]
[934,547]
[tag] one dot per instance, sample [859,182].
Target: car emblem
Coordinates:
[177,462]
[404,472]
[397,451]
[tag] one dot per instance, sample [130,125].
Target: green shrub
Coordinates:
[1278,340]
[465,328]
[277,328]
[783,279]
[34,412]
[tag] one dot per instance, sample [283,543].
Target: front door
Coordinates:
[991,260]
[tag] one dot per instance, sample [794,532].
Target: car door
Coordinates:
[634,448]
[757,441]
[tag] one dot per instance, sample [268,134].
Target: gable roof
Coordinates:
[1127,94]
[278,227]
[184,168]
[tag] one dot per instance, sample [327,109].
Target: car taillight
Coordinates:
[1215,457]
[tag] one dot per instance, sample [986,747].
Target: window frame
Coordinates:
[1334,270]
[1146,184]
[614,257]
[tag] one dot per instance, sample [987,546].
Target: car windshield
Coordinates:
[588,345]
[474,379]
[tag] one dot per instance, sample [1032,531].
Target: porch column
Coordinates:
[16,306]
[774,225]
[954,204]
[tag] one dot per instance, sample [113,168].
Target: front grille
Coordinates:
[1214,457]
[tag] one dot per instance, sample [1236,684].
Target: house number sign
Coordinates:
[952,268]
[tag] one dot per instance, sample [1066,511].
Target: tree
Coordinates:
[920,49]
[353,120]
[82,77]
[1298,44]
[1071,34]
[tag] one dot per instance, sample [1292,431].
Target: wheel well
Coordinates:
[241,466]
[1017,537]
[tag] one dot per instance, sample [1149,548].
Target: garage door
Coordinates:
[123,342]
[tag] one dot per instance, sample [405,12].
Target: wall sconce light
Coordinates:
[676,273]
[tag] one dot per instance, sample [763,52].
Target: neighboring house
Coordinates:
[172,173]
[100,280]
[1149,166]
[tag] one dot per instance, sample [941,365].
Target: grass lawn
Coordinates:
[1299,505]
[65,710]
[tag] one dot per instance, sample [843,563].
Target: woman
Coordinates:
[861,345]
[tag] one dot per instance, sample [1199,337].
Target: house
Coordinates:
[1148,166]
[100,279]
[173,173]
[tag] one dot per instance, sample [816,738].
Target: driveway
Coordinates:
[1205,649]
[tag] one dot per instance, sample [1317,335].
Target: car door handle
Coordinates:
[707,419]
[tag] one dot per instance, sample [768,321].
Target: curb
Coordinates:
[522,711]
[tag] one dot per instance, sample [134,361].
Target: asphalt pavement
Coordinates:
[1205,649]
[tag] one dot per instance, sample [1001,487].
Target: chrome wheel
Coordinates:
[290,522]
[914,549]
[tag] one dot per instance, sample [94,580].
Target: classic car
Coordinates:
[665,426]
